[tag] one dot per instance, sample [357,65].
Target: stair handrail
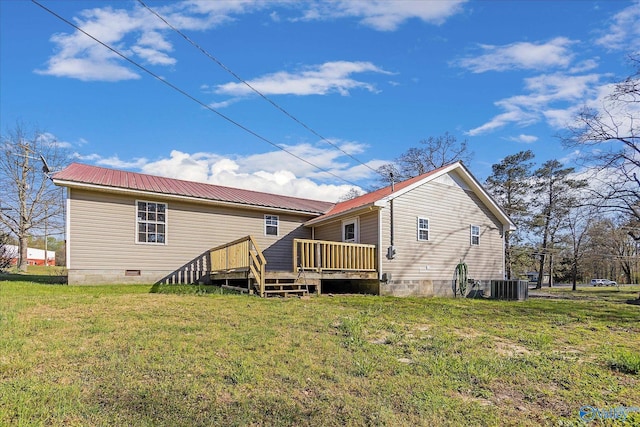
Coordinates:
[258,265]
[248,255]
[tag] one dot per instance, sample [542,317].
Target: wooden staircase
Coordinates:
[241,265]
[285,287]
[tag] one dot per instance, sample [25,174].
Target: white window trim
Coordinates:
[471,235]
[166,222]
[277,225]
[418,229]
[356,230]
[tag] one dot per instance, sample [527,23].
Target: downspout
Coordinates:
[391,207]
[379,244]
[67,233]
[391,220]
[504,259]
[391,251]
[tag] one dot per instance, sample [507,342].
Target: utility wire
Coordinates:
[191,97]
[263,96]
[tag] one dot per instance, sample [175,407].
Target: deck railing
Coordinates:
[240,254]
[321,255]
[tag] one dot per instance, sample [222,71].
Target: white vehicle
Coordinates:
[603,282]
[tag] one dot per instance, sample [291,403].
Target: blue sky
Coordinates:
[373,78]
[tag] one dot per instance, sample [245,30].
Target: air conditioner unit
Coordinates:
[514,290]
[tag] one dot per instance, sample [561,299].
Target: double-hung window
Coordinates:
[475,235]
[271,223]
[151,222]
[423,229]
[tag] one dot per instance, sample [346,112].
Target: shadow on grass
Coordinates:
[43,279]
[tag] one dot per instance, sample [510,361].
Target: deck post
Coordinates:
[318,263]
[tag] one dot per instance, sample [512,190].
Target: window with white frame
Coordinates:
[423,229]
[151,222]
[350,230]
[271,224]
[475,235]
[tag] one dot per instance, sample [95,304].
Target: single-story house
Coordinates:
[404,239]
[34,256]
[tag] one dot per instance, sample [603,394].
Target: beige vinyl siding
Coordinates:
[451,211]
[102,234]
[331,232]
[367,228]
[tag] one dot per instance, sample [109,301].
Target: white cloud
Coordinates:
[244,173]
[153,56]
[115,162]
[521,55]
[86,157]
[584,66]
[327,158]
[551,97]
[624,31]
[191,167]
[271,172]
[523,138]
[79,56]
[385,15]
[94,66]
[224,104]
[47,139]
[617,116]
[140,35]
[311,80]
[515,115]
[570,158]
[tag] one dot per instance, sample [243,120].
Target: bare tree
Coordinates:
[509,184]
[612,131]
[351,194]
[623,248]
[30,200]
[578,223]
[433,152]
[611,250]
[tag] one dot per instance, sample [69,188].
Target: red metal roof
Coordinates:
[374,196]
[116,179]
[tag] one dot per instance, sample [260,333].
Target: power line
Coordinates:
[191,97]
[263,96]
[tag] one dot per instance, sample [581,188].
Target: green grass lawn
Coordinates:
[186,356]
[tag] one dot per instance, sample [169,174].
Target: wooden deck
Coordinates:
[323,255]
[285,283]
[241,265]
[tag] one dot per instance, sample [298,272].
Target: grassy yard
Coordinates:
[183,356]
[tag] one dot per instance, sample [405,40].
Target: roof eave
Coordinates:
[350,212]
